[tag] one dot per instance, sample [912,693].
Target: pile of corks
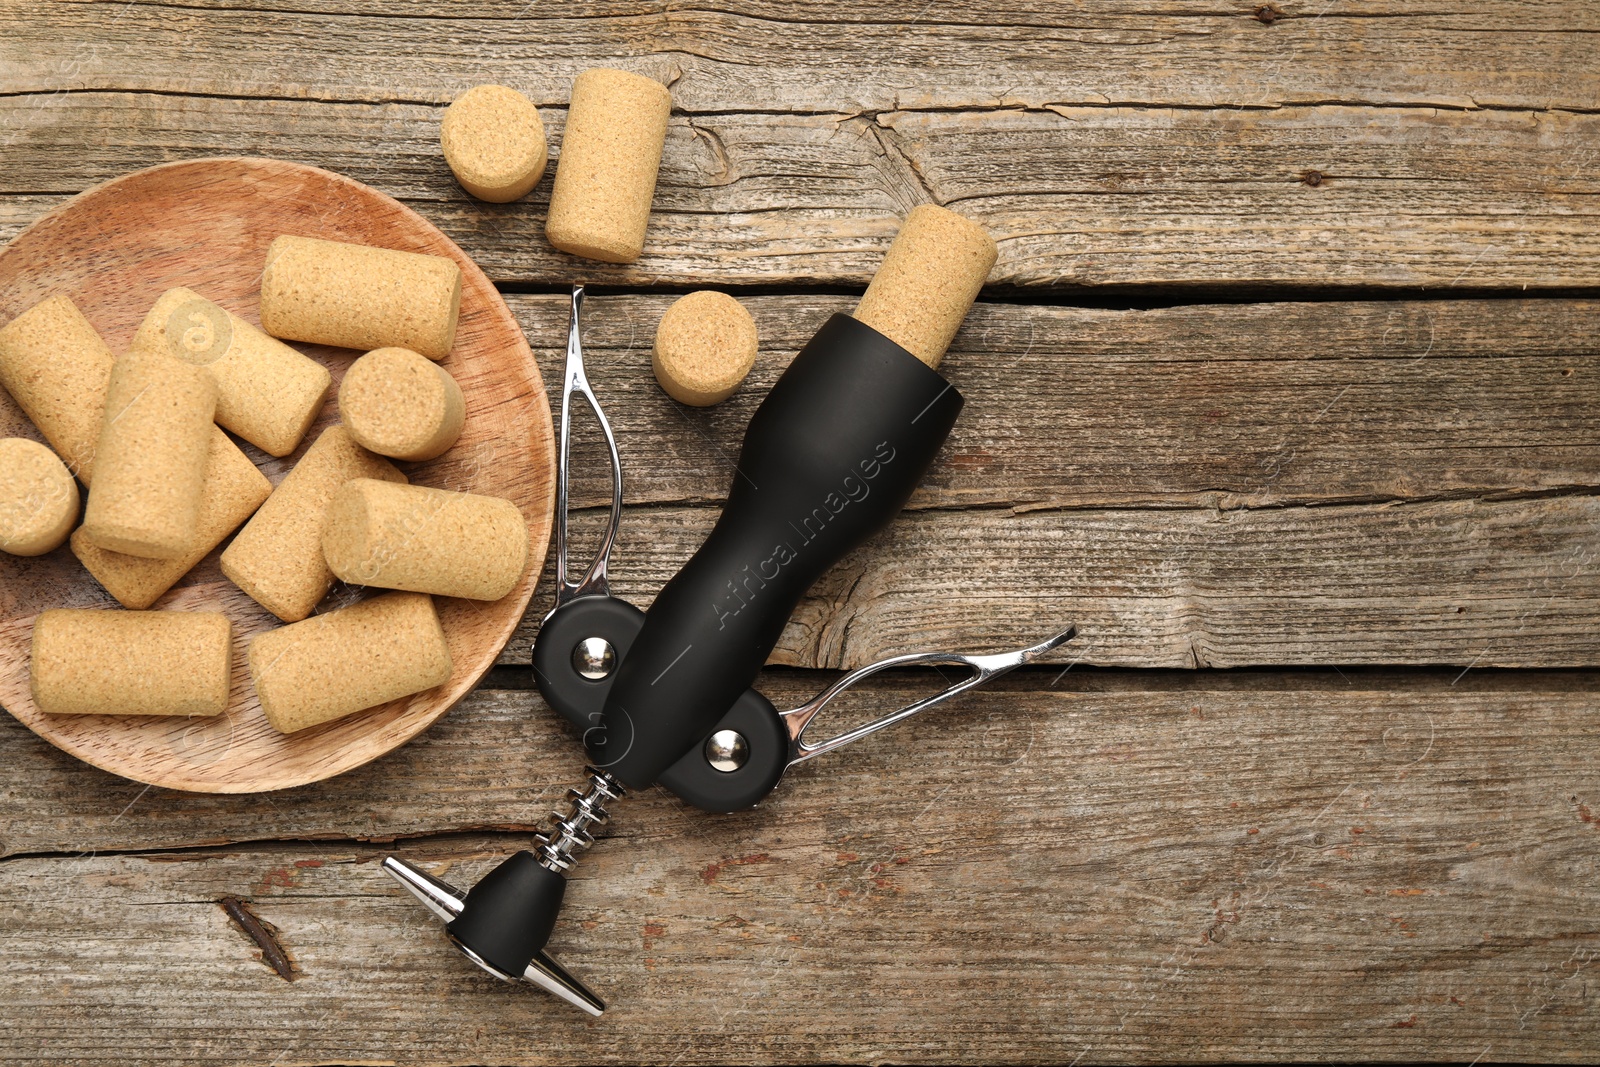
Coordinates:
[166,486]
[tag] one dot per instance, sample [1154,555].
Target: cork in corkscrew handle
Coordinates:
[928,280]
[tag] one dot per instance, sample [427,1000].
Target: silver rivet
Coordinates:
[594,658]
[727,750]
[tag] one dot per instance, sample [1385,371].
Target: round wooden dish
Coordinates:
[206,224]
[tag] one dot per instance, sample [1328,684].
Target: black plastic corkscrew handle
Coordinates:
[831,456]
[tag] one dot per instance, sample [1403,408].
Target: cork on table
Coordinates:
[38,498]
[704,347]
[277,558]
[358,296]
[386,647]
[1284,388]
[395,536]
[57,368]
[267,393]
[231,491]
[396,403]
[493,140]
[151,457]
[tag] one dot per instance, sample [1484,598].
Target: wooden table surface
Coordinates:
[1286,389]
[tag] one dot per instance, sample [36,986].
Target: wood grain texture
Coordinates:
[878,55]
[1076,196]
[1510,583]
[501,760]
[206,225]
[1123,874]
[1120,458]
[1227,406]
[1102,865]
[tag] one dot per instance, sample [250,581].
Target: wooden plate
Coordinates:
[206,224]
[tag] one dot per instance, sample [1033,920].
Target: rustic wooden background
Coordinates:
[1286,389]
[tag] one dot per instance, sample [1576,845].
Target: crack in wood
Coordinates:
[975,108]
[263,933]
[893,151]
[719,152]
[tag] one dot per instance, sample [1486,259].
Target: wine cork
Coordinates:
[56,367]
[376,651]
[267,393]
[425,540]
[494,142]
[150,464]
[928,280]
[606,176]
[397,404]
[109,662]
[277,558]
[233,490]
[705,345]
[38,498]
[354,296]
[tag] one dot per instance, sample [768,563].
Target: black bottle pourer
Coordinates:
[831,456]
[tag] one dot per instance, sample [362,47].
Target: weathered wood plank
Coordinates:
[1192,874]
[1203,405]
[1214,405]
[1309,196]
[1347,584]
[878,55]
[1510,583]
[501,761]
[17,212]
[1102,866]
